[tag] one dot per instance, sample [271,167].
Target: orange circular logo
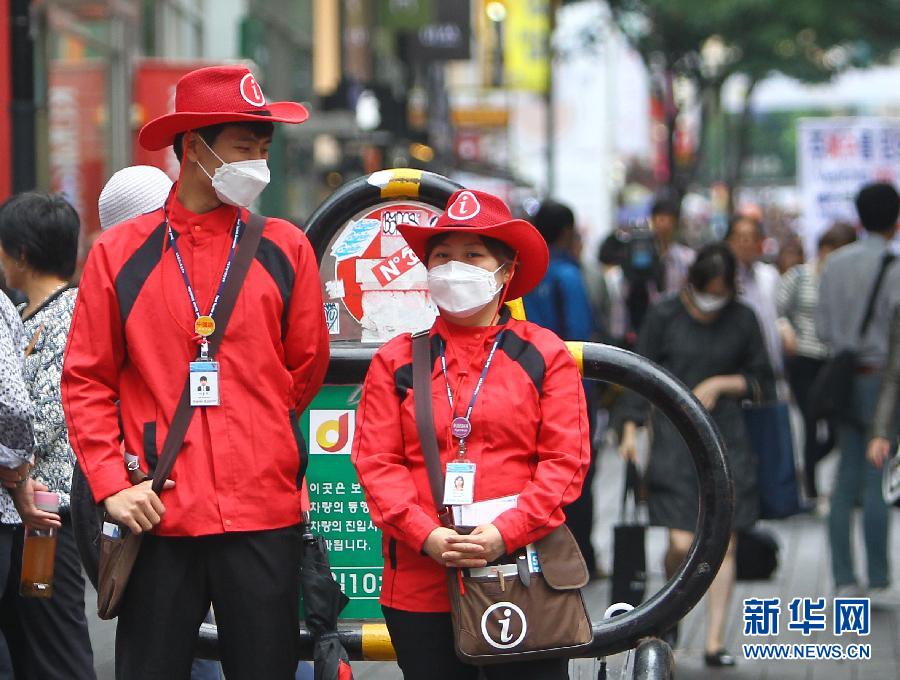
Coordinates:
[205,326]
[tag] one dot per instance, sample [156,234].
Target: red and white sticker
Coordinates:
[394,266]
[382,284]
[251,91]
[465,207]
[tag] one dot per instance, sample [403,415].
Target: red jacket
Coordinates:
[529,437]
[131,341]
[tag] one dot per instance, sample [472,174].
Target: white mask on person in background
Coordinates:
[708,304]
[238,183]
[462,289]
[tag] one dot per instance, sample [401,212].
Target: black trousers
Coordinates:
[6,541]
[252,581]
[424,646]
[580,512]
[48,638]
[802,372]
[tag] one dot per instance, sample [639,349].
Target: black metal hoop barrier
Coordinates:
[350,361]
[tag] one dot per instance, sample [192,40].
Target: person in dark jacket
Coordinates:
[561,303]
[529,434]
[713,344]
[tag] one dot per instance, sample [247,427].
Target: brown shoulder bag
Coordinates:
[119,551]
[513,613]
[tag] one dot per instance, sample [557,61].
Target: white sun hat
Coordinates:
[132,191]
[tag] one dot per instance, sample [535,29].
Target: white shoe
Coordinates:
[884,597]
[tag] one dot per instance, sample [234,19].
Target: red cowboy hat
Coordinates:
[486,215]
[217,94]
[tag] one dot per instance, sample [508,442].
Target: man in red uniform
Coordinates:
[225,529]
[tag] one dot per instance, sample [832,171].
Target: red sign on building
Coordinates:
[154,95]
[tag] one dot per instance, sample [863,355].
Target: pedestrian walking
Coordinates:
[225,530]
[560,302]
[757,282]
[884,421]
[713,344]
[676,258]
[848,283]
[805,354]
[513,397]
[38,248]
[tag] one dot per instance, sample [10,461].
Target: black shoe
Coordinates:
[720,659]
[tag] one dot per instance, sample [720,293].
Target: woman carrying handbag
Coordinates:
[510,419]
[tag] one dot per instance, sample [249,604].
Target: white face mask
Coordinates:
[238,183]
[708,304]
[462,289]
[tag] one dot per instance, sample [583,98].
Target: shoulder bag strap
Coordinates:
[873,297]
[421,349]
[184,411]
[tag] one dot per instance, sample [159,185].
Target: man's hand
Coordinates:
[878,451]
[10,477]
[32,516]
[137,507]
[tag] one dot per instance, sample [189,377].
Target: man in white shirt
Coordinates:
[757,283]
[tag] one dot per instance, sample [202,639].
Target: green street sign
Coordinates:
[339,511]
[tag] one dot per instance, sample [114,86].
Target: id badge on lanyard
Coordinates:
[459,477]
[204,372]
[204,383]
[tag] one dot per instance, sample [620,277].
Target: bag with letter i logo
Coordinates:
[529,606]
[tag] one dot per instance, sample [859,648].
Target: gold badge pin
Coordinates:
[205,326]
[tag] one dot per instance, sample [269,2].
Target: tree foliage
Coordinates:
[707,41]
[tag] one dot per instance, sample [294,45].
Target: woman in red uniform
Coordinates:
[528,431]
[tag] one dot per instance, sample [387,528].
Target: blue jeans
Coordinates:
[858,480]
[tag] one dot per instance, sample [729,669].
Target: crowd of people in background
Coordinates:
[739,329]
[734,327]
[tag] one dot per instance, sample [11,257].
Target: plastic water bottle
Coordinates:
[39,552]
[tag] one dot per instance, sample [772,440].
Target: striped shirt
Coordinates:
[798,296]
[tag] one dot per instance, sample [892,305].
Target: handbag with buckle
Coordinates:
[119,547]
[528,605]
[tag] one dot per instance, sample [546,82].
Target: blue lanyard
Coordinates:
[187,282]
[484,372]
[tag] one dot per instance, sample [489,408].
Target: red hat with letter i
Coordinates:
[213,95]
[483,214]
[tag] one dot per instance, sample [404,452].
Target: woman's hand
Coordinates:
[460,553]
[628,446]
[489,547]
[10,477]
[878,451]
[32,516]
[708,392]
